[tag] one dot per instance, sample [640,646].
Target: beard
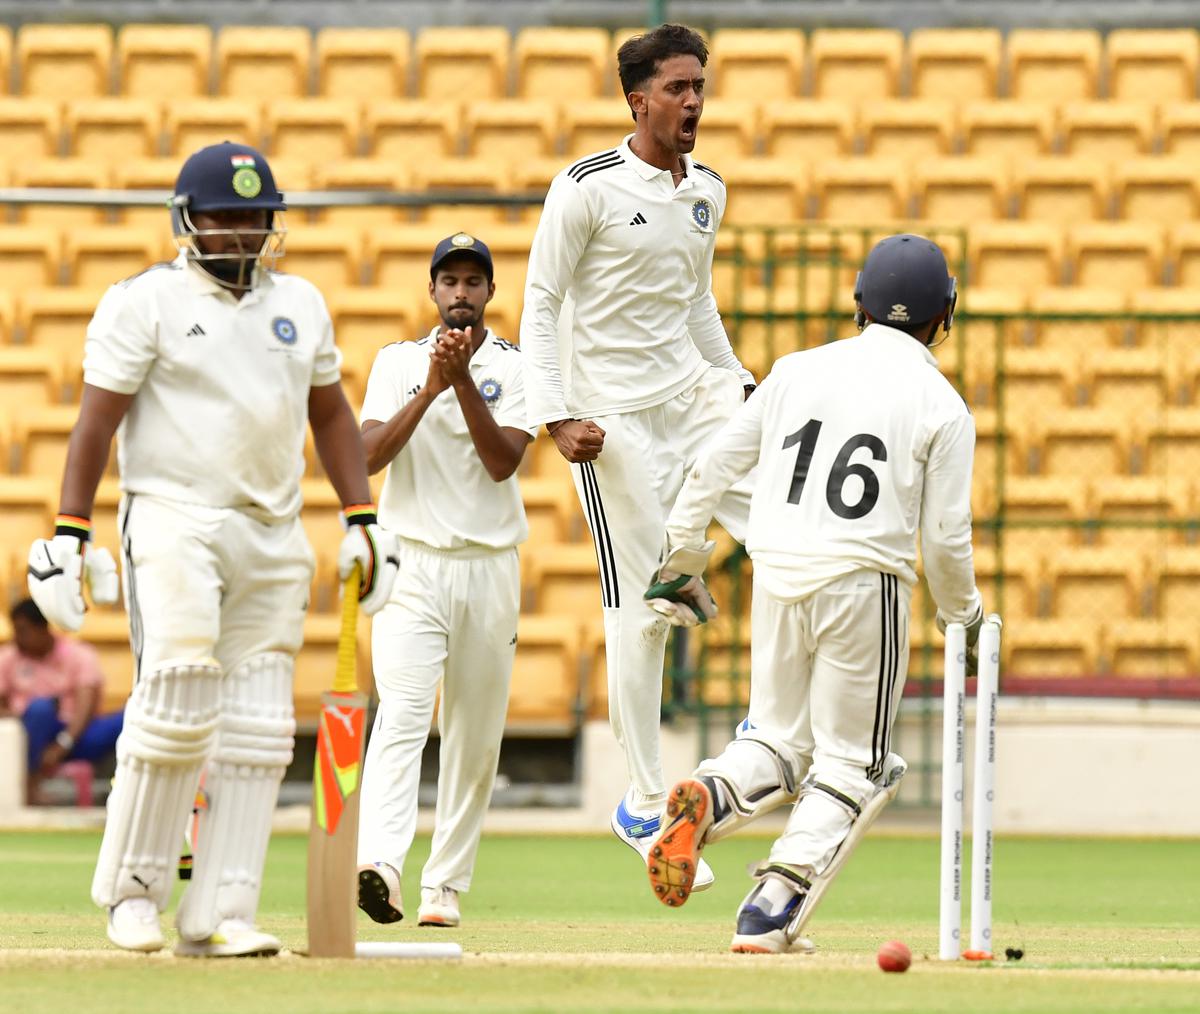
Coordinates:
[232,270]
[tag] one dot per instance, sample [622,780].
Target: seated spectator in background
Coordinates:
[53,683]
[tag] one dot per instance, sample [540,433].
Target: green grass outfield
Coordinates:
[569,924]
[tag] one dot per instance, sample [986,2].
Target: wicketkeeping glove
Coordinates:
[60,567]
[677,592]
[375,550]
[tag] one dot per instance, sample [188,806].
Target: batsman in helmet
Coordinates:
[862,446]
[208,369]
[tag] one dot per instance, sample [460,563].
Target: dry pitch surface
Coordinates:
[559,923]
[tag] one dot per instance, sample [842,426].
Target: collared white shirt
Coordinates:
[436,490]
[861,444]
[630,255]
[220,385]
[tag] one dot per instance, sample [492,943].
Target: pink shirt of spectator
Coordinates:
[69,666]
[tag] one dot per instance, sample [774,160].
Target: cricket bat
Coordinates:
[333,832]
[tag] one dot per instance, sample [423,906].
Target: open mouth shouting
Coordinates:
[687,128]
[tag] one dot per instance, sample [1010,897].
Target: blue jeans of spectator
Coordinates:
[42,724]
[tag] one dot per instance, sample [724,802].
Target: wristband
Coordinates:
[71,524]
[65,740]
[360,514]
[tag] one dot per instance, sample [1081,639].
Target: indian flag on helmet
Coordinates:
[241,161]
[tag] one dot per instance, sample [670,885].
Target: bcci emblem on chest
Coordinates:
[284,330]
[702,215]
[489,391]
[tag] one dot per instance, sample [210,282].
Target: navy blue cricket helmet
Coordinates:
[905,281]
[227,177]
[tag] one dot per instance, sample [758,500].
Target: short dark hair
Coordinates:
[27,610]
[639,57]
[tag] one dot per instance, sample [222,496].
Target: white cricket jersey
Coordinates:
[436,490]
[860,444]
[220,385]
[632,255]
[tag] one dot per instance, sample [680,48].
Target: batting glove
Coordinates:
[973,625]
[376,552]
[60,567]
[677,592]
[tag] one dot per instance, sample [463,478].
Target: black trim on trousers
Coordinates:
[610,592]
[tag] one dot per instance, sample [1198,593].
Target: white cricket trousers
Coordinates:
[451,621]
[627,494]
[826,676]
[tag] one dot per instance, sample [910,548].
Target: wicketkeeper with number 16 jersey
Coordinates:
[860,446]
[628,365]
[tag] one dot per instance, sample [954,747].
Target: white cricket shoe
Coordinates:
[638,831]
[134,925]
[233,938]
[439,907]
[379,892]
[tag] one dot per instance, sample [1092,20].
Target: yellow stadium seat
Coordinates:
[291,174]
[1084,304]
[907,129]
[61,172]
[6,48]
[1183,242]
[1179,124]
[808,130]
[860,190]
[8,316]
[161,61]
[329,256]
[29,378]
[370,317]
[543,460]
[1107,131]
[363,64]
[1161,190]
[379,174]
[29,256]
[564,578]
[546,677]
[1080,441]
[1015,255]
[1171,442]
[509,244]
[754,64]
[312,130]
[1011,130]
[534,177]
[462,65]
[1151,649]
[960,190]
[258,62]
[399,257]
[147,174]
[1051,648]
[954,64]
[596,686]
[1096,581]
[1152,66]
[55,322]
[1053,65]
[1040,379]
[1125,382]
[28,505]
[444,175]
[986,320]
[194,123]
[511,130]
[1176,577]
[561,64]
[764,192]
[113,130]
[1040,498]
[65,61]
[408,131]
[103,255]
[1059,190]
[317,659]
[596,126]
[552,509]
[728,130]
[1118,255]
[1008,581]
[1130,512]
[30,128]
[855,64]
[1167,334]
[40,435]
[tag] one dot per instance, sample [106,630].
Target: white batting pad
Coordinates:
[170,723]
[755,776]
[255,734]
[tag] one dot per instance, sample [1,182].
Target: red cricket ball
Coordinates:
[894,956]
